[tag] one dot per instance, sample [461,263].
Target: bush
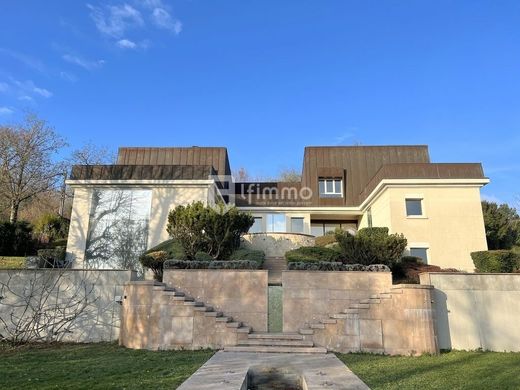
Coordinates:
[172,247]
[51,227]
[328,239]
[215,264]
[496,261]
[201,228]
[203,256]
[154,261]
[52,258]
[312,254]
[335,266]
[248,254]
[16,239]
[371,246]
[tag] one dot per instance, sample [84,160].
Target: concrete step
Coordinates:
[340,316]
[374,296]
[214,314]
[278,343]
[359,306]
[317,326]
[224,319]
[234,324]
[274,349]
[158,288]
[385,296]
[174,293]
[276,336]
[351,311]
[193,303]
[375,300]
[306,331]
[203,308]
[329,321]
[244,329]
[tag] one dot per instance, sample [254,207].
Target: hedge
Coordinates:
[215,264]
[16,239]
[154,261]
[325,240]
[248,254]
[499,261]
[312,254]
[335,266]
[172,247]
[52,258]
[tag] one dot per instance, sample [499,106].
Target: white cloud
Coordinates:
[5,111]
[28,61]
[68,77]
[126,44]
[25,98]
[4,87]
[84,63]
[163,19]
[42,92]
[116,19]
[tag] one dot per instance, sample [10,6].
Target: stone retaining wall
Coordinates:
[276,244]
[476,311]
[241,294]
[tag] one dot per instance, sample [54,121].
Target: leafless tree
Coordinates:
[289,175]
[26,161]
[46,308]
[91,154]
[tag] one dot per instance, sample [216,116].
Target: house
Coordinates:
[120,210]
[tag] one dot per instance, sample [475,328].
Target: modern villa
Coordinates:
[122,209]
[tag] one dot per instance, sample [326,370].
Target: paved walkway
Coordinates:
[228,371]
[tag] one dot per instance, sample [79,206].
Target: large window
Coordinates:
[297,225]
[276,223]
[320,228]
[257,225]
[421,253]
[330,187]
[414,207]
[118,228]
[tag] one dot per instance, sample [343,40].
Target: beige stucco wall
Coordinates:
[163,200]
[475,311]
[276,244]
[313,295]
[96,289]
[241,294]
[452,227]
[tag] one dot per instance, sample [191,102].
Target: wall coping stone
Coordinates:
[471,273]
[412,286]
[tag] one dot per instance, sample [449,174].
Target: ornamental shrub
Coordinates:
[312,254]
[371,246]
[16,239]
[154,261]
[52,258]
[213,230]
[328,239]
[51,227]
[172,247]
[335,266]
[502,261]
[248,254]
[214,264]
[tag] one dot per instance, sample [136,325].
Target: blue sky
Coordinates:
[266,78]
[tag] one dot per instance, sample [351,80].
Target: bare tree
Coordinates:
[289,175]
[48,307]
[241,175]
[26,161]
[91,154]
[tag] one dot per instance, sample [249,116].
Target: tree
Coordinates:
[501,225]
[289,175]
[91,154]
[215,231]
[26,161]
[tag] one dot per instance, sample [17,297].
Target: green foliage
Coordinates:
[502,226]
[154,261]
[215,231]
[335,266]
[13,262]
[328,239]
[214,264]
[371,246]
[16,239]
[172,247]
[51,227]
[203,256]
[312,254]
[248,254]
[496,261]
[52,258]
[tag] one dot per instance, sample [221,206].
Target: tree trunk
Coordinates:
[14,211]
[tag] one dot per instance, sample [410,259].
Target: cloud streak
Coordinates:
[28,61]
[115,20]
[126,44]
[5,110]
[82,62]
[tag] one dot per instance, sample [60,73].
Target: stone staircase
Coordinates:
[275,266]
[276,342]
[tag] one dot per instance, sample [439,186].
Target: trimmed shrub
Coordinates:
[501,261]
[312,254]
[203,256]
[335,266]
[327,239]
[172,247]
[16,239]
[371,246]
[154,261]
[213,230]
[52,258]
[51,227]
[215,264]
[248,254]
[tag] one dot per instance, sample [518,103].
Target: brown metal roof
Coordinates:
[214,156]
[141,172]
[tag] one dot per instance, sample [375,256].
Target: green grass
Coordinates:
[96,366]
[450,370]
[12,262]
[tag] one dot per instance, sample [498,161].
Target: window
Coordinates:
[317,229]
[118,228]
[257,225]
[330,187]
[414,207]
[422,253]
[276,223]
[297,224]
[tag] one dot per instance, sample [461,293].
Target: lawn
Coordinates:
[12,262]
[450,370]
[96,366]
